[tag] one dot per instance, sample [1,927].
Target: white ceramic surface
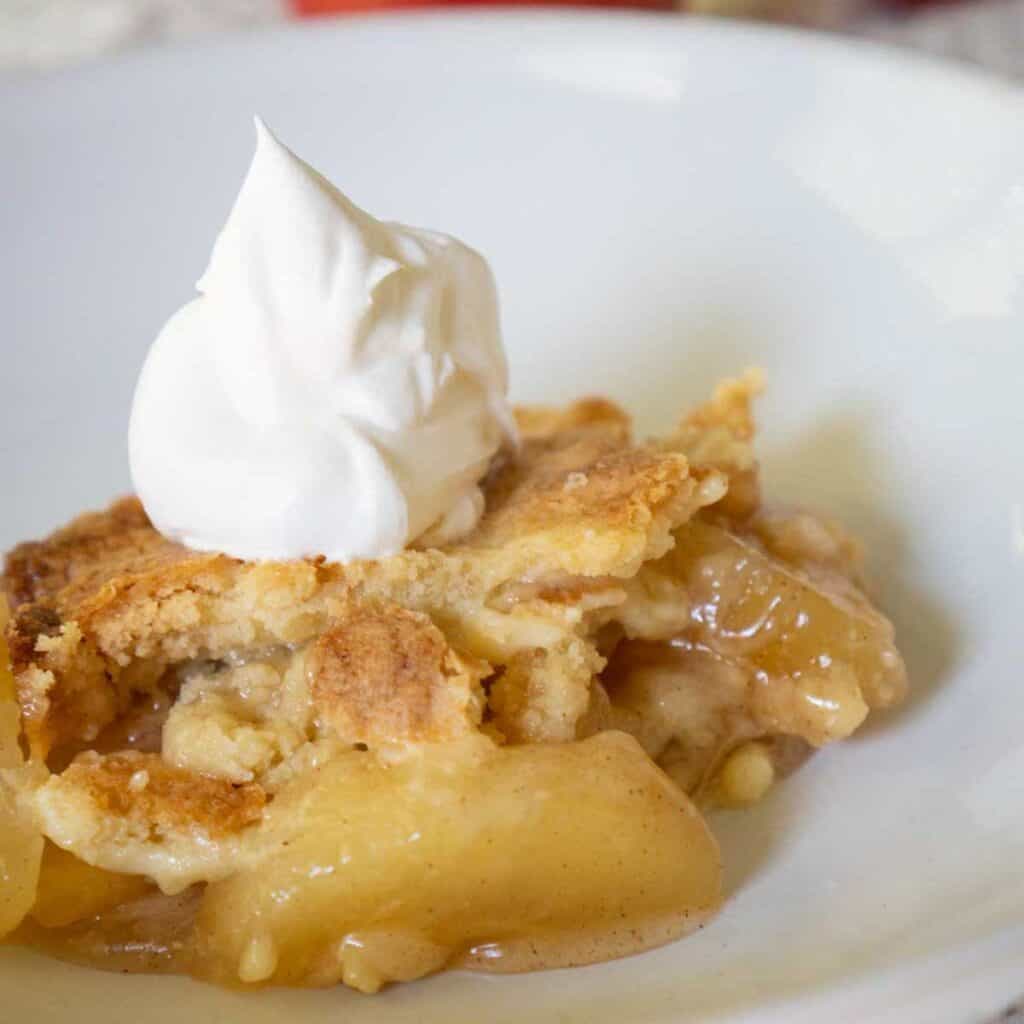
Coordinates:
[664,202]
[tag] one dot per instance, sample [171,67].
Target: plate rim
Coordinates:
[476,18]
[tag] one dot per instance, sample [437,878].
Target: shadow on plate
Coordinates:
[751,837]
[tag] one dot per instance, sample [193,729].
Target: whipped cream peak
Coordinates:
[338,388]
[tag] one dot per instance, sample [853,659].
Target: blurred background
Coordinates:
[40,34]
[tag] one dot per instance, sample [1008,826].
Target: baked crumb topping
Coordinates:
[382,674]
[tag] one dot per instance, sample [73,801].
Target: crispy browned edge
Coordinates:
[165,799]
[382,673]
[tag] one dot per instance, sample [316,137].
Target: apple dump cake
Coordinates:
[474,734]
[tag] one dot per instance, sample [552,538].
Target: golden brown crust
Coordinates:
[545,421]
[134,814]
[144,789]
[729,407]
[587,483]
[580,499]
[65,588]
[718,435]
[83,702]
[74,562]
[541,695]
[383,674]
[110,598]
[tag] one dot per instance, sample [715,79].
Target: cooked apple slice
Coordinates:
[816,652]
[71,890]
[493,858]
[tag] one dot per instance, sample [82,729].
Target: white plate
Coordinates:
[664,201]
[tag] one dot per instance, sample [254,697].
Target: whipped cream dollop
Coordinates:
[338,388]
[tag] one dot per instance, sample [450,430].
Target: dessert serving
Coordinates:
[379,676]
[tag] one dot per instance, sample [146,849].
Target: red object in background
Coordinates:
[310,7]
[910,5]
[773,9]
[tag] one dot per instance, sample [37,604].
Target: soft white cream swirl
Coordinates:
[338,388]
